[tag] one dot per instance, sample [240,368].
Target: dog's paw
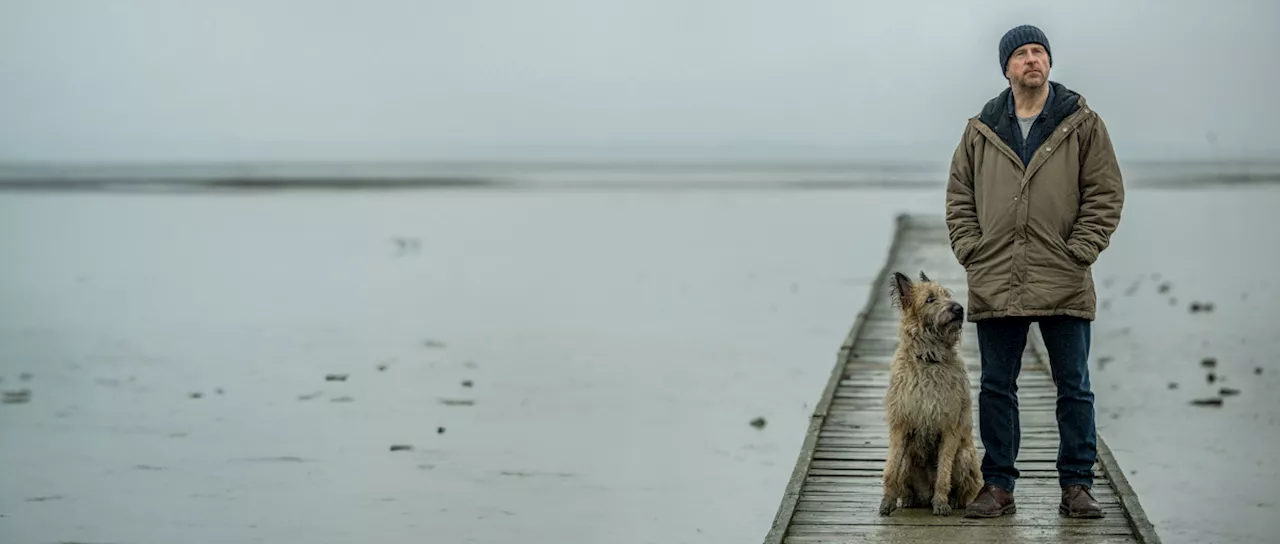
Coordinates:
[886,507]
[941,508]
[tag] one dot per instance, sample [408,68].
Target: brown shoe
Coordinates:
[992,502]
[1078,502]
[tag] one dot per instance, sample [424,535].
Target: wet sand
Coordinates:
[618,348]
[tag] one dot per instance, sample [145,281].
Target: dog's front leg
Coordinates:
[942,485]
[894,471]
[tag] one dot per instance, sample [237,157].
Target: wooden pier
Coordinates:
[835,488]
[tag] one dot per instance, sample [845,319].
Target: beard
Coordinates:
[1034,82]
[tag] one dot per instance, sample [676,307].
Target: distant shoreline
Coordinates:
[531,175]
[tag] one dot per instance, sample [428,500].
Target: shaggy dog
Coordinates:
[932,459]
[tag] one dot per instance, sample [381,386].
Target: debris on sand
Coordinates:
[1106,304]
[1133,288]
[457,402]
[1257,370]
[1211,377]
[401,447]
[195,394]
[341,399]
[406,244]
[1209,362]
[276,459]
[466,383]
[1164,288]
[310,396]
[335,377]
[382,367]
[1173,385]
[1212,401]
[439,430]
[1228,391]
[1197,307]
[1102,361]
[25,376]
[218,391]
[434,344]
[21,396]
[758,423]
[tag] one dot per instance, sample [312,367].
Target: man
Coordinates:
[1033,197]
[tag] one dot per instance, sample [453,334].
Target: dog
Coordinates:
[932,459]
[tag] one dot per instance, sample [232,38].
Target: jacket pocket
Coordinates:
[1060,247]
[976,253]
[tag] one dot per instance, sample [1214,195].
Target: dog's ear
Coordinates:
[900,290]
[924,277]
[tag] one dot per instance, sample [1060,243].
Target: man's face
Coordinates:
[1028,66]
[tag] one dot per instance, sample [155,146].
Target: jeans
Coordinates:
[1001,342]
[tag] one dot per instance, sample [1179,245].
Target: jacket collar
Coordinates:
[999,115]
[999,112]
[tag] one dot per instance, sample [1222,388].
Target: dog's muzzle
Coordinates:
[957,310]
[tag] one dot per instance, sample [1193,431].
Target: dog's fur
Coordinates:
[932,459]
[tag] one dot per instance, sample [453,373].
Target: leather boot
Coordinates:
[992,502]
[1078,502]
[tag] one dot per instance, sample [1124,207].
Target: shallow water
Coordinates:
[618,345]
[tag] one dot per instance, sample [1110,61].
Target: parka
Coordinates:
[1027,227]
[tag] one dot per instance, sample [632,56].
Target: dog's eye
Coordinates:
[929,300]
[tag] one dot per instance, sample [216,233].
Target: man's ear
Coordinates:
[900,290]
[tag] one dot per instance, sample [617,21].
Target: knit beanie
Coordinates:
[1019,36]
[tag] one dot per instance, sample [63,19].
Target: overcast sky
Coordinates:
[422,79]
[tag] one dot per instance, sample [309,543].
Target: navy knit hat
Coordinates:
[1019,36]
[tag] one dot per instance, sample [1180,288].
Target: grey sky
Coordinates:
[382,79]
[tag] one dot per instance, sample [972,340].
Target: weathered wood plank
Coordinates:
[1035,495]
[834,493]
[1042,517]
[983,534]
[850,464]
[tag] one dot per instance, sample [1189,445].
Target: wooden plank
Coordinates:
[1041,494]
[879,453]
[872,503]
[847,464]
[984,534]
[868,478]
[1045,516]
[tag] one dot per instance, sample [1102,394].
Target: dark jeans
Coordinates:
[1001,342]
